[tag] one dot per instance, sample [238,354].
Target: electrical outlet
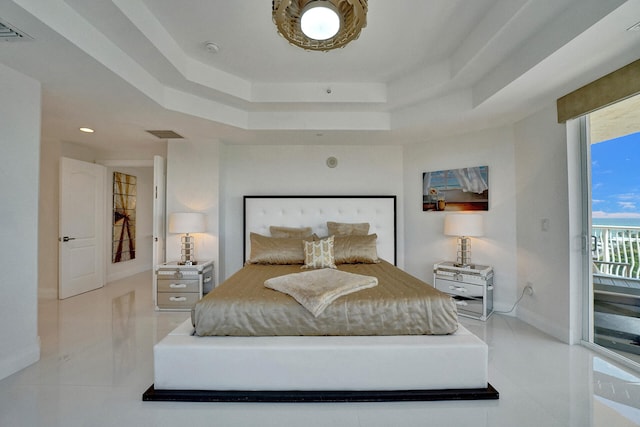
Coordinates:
[528,289]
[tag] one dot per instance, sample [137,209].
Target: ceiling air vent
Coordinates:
[165,134]
[634,27]
[9,33]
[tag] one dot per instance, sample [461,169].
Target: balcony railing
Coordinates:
[615,249]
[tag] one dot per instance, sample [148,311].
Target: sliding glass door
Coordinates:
[612,165]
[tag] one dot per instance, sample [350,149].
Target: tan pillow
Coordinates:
[274,250]
[291,232]
[347,229]
[356,249]
[319,254]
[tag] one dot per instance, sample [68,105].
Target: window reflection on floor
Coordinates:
[616,394]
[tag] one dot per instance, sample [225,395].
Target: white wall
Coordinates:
[543,256]
[425,241]
[144,223]
[19,176]
[300,170]
[49,219]
[193,186]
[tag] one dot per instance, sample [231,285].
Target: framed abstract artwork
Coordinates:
[124,217]
[465,189]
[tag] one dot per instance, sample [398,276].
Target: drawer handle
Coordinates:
[177,285]
[177,299]
[462,303]
[458,288]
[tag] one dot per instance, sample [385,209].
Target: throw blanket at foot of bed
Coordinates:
[316,289]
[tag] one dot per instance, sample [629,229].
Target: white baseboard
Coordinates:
[112,277]
[20,359]
[504,309]
[543,324]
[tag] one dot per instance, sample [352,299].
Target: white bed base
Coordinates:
[188,367]
[418,362]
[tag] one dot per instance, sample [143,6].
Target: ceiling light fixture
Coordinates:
[212,47]
[319,24]
[86,130]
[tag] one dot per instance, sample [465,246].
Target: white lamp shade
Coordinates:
[186,222]
[469,225]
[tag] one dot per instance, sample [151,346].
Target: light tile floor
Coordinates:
[96,361]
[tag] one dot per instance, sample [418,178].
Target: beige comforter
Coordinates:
[400,305]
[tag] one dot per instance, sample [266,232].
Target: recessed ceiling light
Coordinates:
[87,130]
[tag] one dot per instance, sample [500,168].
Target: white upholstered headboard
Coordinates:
[261,212]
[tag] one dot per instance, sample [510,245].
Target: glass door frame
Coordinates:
[586,211]
[581,129]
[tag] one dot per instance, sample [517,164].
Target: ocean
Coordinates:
[622,222]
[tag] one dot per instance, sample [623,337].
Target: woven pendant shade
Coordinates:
[287,14]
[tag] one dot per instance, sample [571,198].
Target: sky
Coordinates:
[615,170]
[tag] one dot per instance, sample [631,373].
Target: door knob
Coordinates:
[66,239]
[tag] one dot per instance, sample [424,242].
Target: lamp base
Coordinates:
[458,264]
[464,253]
[187,251]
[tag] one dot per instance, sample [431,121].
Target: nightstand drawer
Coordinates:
[466,290]
[176,285]
[469,306]
[461,277]
[177,300]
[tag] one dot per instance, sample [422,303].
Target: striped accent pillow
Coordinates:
[319,254]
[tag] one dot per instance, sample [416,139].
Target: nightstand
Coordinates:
[179,287]
[471,287]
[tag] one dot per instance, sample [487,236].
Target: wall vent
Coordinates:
[9,33]
[165,134]
[634,27]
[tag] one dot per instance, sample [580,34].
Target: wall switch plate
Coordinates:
[544,224]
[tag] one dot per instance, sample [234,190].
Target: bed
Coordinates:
[325,367]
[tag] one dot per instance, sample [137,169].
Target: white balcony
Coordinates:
[615,250]
[616,287]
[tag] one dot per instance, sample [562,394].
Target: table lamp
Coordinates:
[185,223]
[463,226]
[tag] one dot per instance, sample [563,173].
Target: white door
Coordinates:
[82,205]
[159,207]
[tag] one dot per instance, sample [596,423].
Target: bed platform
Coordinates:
[365,368]
[320,368]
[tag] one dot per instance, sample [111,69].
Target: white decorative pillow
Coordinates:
[319,254]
